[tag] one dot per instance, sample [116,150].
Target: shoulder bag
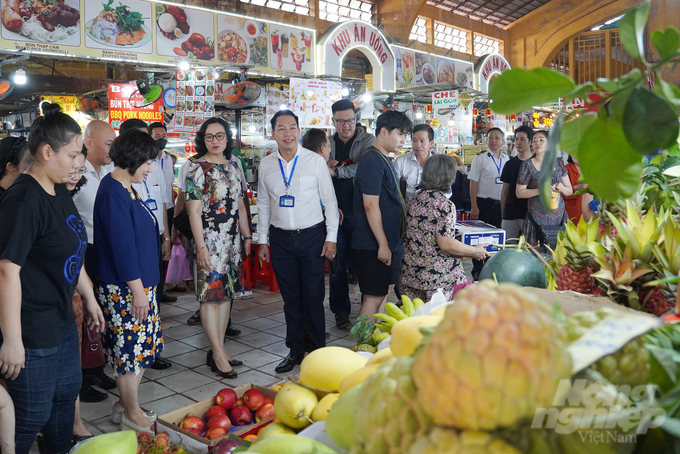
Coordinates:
[402,230]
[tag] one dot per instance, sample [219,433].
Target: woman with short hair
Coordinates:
[42,248]
[217,214]
[127,251]
[432,256]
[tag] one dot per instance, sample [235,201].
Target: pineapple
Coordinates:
[667,262]
[499,354]
[573,257]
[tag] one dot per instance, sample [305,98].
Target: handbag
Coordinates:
[91,352]
[547,234]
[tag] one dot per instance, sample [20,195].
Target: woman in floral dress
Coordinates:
[527,188]
[127,251]
[432,256]
[216,213]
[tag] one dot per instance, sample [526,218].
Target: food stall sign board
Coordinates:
[486,70]
[121,109]
[346,36]
[445,99]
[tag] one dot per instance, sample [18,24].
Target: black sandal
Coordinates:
[194,319]
[232,362]
[231,374]
[235,362]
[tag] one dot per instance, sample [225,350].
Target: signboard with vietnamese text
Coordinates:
[311,100]
[486,70]
[125,102]
[69,105]
[195,98]
[445,100]
[422,68]
[150,32]
[338,40]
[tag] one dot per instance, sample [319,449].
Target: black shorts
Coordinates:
[373,275]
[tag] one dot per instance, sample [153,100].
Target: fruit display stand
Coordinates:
[573,302]
[195,444]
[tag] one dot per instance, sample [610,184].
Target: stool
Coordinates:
[263,272]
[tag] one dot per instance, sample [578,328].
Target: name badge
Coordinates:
[287,201]
[498,180]
[151,203]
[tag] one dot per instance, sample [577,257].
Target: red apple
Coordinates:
[264,412]
[193,424]
[226,398]
[240,415]
[253,399]
[215,433]
[268,400]
[214,411]
[222,421]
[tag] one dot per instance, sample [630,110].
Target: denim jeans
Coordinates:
[337,284]
[45,393]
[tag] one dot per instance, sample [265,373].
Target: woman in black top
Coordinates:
[42,245]
[14,160]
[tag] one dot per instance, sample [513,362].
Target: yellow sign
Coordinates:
[542,121]
[69,105]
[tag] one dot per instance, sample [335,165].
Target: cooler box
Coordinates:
[477,232]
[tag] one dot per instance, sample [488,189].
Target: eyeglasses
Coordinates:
[210,137]
[78,173]
[345,122]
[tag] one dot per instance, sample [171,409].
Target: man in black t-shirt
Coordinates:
[347,146]
[514,210]
[379,210]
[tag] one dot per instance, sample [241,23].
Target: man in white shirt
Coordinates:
[486,186]
[409,166]
[295,188]
[98,138]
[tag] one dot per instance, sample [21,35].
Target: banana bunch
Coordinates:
[394,313]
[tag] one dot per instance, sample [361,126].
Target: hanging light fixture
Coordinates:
[20,75]
[184,65]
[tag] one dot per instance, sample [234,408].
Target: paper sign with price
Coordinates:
[608,336]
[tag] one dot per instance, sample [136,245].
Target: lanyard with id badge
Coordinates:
[287,200]
[151,203]
[498,167]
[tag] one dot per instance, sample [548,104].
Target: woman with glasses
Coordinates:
[527,188]
[216,213]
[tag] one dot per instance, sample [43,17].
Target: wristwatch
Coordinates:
[165,238]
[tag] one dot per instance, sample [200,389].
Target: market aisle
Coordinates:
[261,346]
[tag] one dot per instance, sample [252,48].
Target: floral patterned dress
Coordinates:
[218,187]
[528,175]
[130,345]
[427,268]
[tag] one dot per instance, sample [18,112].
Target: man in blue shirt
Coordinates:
[380,213]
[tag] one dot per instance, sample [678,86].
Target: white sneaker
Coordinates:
[243,295]
[119,411]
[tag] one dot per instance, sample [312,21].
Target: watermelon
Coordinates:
[516,265]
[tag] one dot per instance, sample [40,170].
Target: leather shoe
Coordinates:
[288,363]
[167,299]
[232,332]
[99,378]
[161,364]
[89,394]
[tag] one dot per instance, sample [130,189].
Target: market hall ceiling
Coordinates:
[493,12]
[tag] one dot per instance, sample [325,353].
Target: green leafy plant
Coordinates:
[630,121]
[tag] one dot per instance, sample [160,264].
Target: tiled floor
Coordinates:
[261,346]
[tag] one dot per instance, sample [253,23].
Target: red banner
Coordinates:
[123,107]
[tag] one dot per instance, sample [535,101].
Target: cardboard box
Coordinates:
[198,445]
[473,233]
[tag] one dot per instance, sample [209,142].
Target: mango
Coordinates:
[326,367]
[357,377]
[324,406]
[380,356]
[406,333]
[124,442]
[273,430]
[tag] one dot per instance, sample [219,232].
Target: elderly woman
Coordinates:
[127,251]
[432,256]
[527,188]
[217,215]
[42,247]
